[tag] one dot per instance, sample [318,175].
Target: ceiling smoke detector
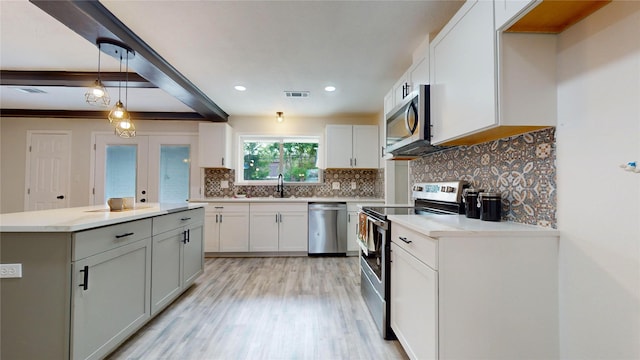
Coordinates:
[296,94]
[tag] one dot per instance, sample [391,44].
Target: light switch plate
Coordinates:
[354,185]
[335,185]
[224,184]
[10,271]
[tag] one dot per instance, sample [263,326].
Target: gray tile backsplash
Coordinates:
[522,168]
[369,183]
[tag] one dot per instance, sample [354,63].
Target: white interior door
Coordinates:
[48,166]
[121,168]
[173,171]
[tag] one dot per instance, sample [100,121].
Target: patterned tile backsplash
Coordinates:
[369,184]
[522,168]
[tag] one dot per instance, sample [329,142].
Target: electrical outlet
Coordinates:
[224,184]
[354,185]
[335,185]
[10,271]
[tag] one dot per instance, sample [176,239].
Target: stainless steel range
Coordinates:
[374,235]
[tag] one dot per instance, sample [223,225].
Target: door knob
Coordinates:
[60,197]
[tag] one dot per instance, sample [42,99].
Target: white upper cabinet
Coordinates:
[352,146]
[509,11]
[487,85]
[417,74]
[215,145]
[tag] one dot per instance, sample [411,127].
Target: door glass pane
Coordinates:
[174,173]
[120,176]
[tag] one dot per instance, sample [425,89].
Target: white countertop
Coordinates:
[287,199]
[82,218]
[459,225]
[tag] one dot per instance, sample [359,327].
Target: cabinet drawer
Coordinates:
[279,207]
[172,221]
[421,246]
[227,208]
[95,241]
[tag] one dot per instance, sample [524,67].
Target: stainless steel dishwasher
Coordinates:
[327,228]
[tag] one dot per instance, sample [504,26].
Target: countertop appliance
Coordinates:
[408,126]
[374,237]
[328,229]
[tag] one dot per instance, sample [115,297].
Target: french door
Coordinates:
[151,168]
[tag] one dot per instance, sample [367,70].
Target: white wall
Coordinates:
[599,203]
[13,138]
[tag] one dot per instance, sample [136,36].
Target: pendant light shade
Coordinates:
[279,116]
[118,113]
[126,129]
[97,95]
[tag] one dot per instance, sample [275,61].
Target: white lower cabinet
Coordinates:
[278,227]
[414,308]
[352,229]
[226,227]
[475,296]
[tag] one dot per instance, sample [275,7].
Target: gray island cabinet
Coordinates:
[92,279]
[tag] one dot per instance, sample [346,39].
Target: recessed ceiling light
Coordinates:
[330,88]
[240,88]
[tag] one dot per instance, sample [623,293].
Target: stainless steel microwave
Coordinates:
[408,125]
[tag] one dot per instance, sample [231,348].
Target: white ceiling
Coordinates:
[360,47]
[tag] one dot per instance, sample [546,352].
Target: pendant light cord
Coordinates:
[120,81]
[99,79]
[126,85]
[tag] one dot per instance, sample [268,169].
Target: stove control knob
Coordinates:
[417,188]
[448,189]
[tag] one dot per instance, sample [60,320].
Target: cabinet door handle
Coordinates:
[280,215]
[276,217]
[85,281]
[216,218]
[404,239]
[355,162]
[381,151]
[185,218]
[348,218]
[184,237]
[351,162]
[220,218]
[188,235]
[123,235]
[223,161]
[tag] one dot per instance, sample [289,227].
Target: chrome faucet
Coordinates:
[280,187]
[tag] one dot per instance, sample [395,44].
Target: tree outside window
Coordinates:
[295,158]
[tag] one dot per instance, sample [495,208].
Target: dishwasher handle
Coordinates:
[325,207]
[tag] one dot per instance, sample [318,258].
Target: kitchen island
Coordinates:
[84,279]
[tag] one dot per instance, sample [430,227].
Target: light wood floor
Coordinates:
[266,308]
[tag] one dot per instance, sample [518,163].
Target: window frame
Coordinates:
[241,138]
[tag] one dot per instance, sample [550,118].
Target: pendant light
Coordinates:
[125,127]
[279,116]
[119,116]
[97,95]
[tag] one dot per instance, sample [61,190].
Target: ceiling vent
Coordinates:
[296,94]
[30,90]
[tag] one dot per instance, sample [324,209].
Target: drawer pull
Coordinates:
[404,239]
[185,218]
[85,282]
[123,235]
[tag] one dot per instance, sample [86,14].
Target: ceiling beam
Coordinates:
[92,20]
[83,114]
[70,79]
